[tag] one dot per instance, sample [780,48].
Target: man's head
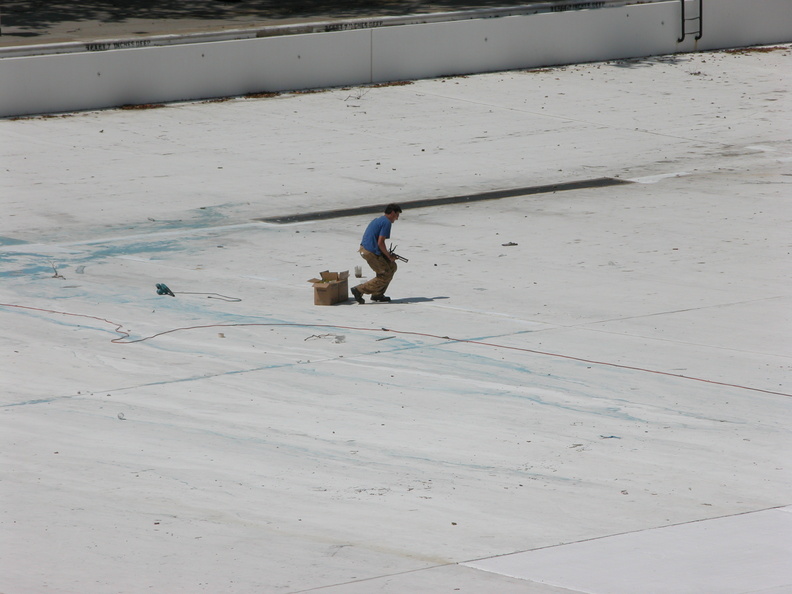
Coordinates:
[392,211]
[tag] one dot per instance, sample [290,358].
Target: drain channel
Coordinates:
[601,182]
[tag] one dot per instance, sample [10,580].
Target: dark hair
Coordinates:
[392,208]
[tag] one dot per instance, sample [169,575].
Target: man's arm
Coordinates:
[384,250]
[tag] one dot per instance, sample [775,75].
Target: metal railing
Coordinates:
[687,19]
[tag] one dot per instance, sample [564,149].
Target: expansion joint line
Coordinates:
[124,338]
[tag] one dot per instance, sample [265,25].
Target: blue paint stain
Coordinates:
[11,241]
[38,401]
[199,218]
[101,251]
[35,264]
[31,264]
[32,269]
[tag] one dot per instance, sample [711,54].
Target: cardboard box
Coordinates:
[331,288]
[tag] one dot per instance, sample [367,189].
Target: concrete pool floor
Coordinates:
[584,390]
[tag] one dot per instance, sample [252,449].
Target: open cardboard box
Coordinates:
[331,288]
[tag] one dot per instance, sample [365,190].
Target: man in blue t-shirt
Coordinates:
[373,250]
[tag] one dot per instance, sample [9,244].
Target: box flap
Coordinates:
[330,277]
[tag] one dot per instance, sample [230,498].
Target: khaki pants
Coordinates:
[385,270]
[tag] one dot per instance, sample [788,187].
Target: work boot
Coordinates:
[381,298]
[357,295]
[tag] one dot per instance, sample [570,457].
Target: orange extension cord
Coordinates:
[124,336]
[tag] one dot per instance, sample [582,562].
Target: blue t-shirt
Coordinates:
[381,226]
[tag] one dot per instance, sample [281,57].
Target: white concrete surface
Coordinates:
[623,369]
[743,553]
